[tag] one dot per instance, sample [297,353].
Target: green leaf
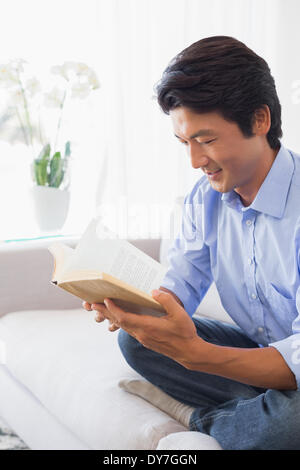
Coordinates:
[45,152]
[68,149]
[40,171]
[56,174]
[41,166]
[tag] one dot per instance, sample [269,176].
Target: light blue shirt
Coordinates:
[251,253]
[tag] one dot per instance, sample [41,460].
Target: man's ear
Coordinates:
[261,120]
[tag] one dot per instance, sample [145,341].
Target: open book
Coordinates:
[103,266]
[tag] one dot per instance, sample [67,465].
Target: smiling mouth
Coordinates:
[213,175]
[210,173]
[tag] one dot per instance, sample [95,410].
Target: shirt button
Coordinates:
[254,296]
[249,261]
[248,222]
[260,329]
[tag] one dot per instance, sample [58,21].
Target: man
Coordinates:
[240,229]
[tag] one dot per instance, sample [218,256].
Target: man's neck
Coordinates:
[248,194]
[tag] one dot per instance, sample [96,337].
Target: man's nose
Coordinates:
[197,155]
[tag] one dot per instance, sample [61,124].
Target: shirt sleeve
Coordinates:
[289,347]
[189,275]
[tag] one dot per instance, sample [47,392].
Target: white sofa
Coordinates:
[60,369]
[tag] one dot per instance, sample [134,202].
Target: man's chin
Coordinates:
[221,188]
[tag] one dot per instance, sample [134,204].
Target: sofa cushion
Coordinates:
[188,441]
[73,365]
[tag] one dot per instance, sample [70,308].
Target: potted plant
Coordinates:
[50,167]
[51,194]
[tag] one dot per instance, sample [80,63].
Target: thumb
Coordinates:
[167,300]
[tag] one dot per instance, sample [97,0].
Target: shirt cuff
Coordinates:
[189,301]
[289,348]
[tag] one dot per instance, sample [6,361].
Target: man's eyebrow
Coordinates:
[200,133]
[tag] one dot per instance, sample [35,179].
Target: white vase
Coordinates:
[51,206]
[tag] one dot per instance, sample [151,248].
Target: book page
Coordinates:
[100,250]
[62,254]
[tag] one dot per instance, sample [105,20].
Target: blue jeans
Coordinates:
[237,415]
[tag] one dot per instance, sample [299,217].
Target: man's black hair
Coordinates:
[222,74]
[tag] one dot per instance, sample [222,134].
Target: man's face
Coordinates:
[229,159]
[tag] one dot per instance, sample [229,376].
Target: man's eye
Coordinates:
[207,142]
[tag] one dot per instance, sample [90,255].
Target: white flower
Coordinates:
[71,71]
[93,80]
[17,65]
[10,73]
[80,90]
[79,68]
[32,86]
[16,98]
[8,76]
[23,93]
[66,70]
[59,70]
[54,98]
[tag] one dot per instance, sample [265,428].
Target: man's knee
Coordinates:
[289,412]
[143,360]
[129,347]
[283,430]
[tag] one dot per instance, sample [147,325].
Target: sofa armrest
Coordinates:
[26,270]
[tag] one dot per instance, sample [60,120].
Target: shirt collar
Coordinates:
[272,195]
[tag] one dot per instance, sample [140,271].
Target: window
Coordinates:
[127,165]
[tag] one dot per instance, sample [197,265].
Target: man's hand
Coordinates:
[99,316]
[173,335]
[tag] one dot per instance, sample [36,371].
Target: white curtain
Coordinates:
[128,166]
[147,169]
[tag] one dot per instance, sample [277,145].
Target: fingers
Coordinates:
[87,306]
[113,327]
[98,308]
[100,317]
[109,310]
[117,317]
